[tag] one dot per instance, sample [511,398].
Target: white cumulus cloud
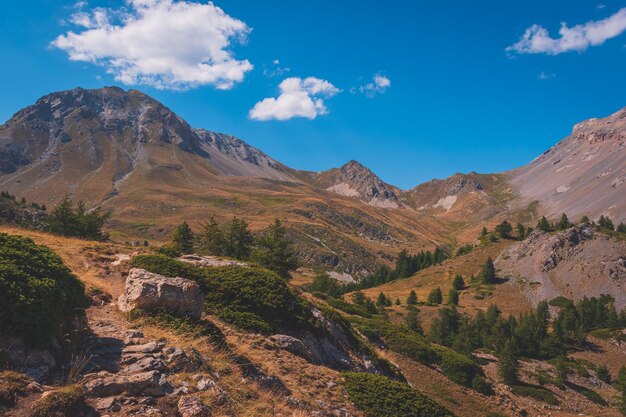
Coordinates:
[166,44]
[298,98]
[378,85]
[537,39]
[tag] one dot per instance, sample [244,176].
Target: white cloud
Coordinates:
[546,75]
[275,69]
[167,44]
[298,98]
[379,84]
[537,40]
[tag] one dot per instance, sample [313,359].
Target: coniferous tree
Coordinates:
[238,239]
[412,298]
[504,229]
[398,302]
[606,223]
[445,327]
[210,240]
[359,298]
[183,239]
[508,363]
[325,284]
[484,232]
[563,223]
[584,220]
[543,224]
[603,374]
[435,296]
[274,251]
[62,219]
[413,321]
[521,231]
[458,282]
[489,272]
[562,371]
[453,297]
[621,228]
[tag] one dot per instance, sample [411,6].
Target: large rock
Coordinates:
[151,383]
[192,407]
[148,291]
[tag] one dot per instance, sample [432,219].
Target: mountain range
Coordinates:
[127,152]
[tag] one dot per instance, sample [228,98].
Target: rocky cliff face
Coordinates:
[443,194]
[584,174]
[355,180]
[575,263]
[107,135]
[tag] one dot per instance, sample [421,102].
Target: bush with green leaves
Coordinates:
[252,298]
[237,294]
[37,291]
[379,396]
[165,265]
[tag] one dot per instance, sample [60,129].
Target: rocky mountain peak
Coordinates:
[353,179]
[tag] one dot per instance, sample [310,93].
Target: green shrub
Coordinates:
[537,393]
[67,401]
[12,384]
[251,296]
[400,339]
[379,396]
[349,308]
[591,395]
[37,291]
[459,368]
[561,302]
[165,265]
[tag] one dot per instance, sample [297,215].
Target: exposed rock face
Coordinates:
[148,291]
[107,135]
[146,383]
[574,263]
[192,407]
[232,156]
[444,193]
[205,261]
[355,180]
[581,175]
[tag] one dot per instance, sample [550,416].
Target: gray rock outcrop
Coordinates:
[149,292]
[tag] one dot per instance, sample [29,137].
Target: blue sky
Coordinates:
[455,99]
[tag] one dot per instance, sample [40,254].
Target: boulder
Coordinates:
[149,292]
[151,383]
[192,407]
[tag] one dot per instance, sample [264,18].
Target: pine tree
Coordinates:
[521,231]
[504,229]
[274,251]
[543,224]
[484,231]
[621,228]
[359,298]
[435,296]
[413,321]
[238,239]
[508,363]
[563,222]
[210,240]
[182,239]
[412,298]
[453,297]
[489,272]
[398,302]
[603,374]
[62,219]
[584,220]
[382,300]
[562,371]
[606,223]
[458,282]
